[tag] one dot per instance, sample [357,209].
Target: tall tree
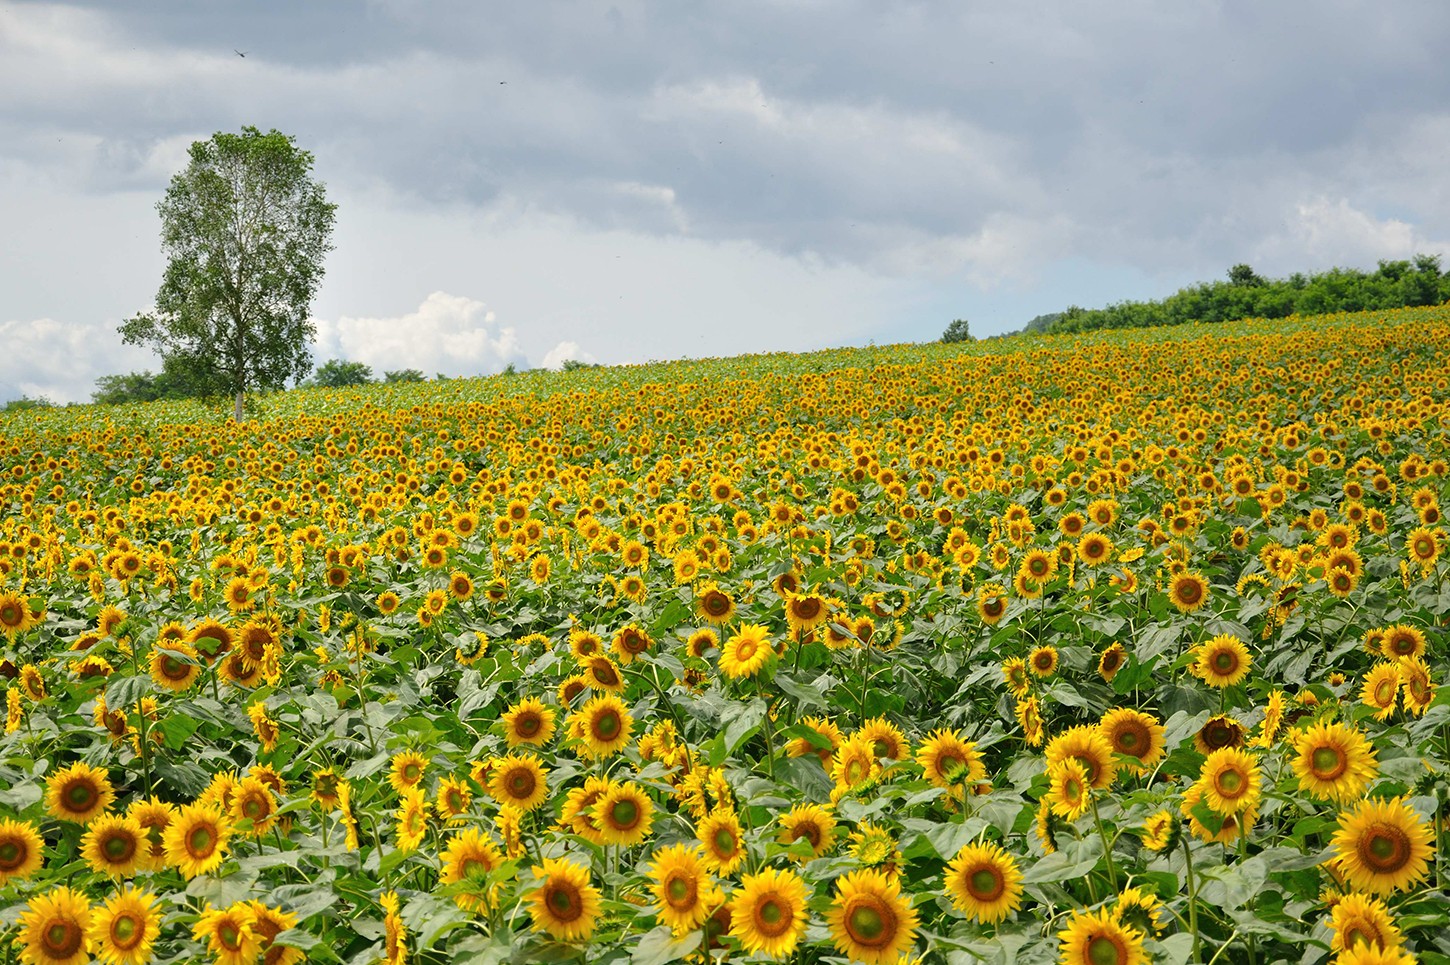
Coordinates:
[244,228]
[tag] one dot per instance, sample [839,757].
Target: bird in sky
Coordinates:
[239,53]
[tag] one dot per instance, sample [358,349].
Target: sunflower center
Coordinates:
[986,884]
[62,938]
[119,847]
[527,725]
[80,797]
[1230,783]
[624,814]
[200,842]
[1128,741]
[1357,934]
[254,808]
[772,917]
[869,924]
[521,784]
[811,833]
[10,855]
[724,841]
[411,773]
[125,931]
[172,668]
[563,901]
[745,651]
[607,726]
[1225,662]
[229,936]
[680,891]
[1384,692]
[1102,950]
[1326,763]
[1385,849]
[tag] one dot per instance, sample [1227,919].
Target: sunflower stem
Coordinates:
[1107,845]
[1192,896]
[769,731]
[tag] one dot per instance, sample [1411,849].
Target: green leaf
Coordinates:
[659,945]
[744,724]
[126,691]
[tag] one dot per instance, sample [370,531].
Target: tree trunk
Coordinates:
[239,407]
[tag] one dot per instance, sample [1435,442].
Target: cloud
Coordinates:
[565,352]
[448,334]
[60,361]
[1322,232]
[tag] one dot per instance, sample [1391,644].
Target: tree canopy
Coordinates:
[245,229]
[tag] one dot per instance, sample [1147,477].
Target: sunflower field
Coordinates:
[1099,650]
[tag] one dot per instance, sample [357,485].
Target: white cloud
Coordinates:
[47,358]
[565,352]
[1322,232]
[450,334]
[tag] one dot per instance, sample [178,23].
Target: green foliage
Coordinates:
[26,402]
[337,374]
[404,375]
[957,331]
[176,380]
[244,229]
[573,365]
[1395,284]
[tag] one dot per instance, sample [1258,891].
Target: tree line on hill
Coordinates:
[1395,284]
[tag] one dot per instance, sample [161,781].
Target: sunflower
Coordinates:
[1029,715]
[630,642]
[1230,779]
[1218,731]
[78,793]
[1222,828]
[855,764]
[123,929]
[1362,920]
[53,928]
[1402,642]
[1038,565]
[1014,671]
[1095,549]
[1110,661]
[714,605]
[1099,938]
[469,856]
[601,673]
[20,850]
[1417,689]
[702,641]
[1188,591]
[1381,689]
[1383,846]
[454,798]
[746,651]
[684,893]
[810,823]
[577,812]
[395,932]
[412,820]
[984,882]
[991,603]
[1136,735]
[15,616]
[947,760]
[829,739]
[155,817]
[1091,748]
[519,780]
[806,611]
[529,721]
[196,840]
[1334,762]
[1423,547]
[211,639]
[1068,789]
[1043,661]
[623,814]
[1139,909]
[1160,831]
[388,603]
[1223,661]
[869,919]
[406,770]
[768,912]
[114,844]
[566,904]
[228,934]
[603,725]
[174,665]
[887,740]
[724,844]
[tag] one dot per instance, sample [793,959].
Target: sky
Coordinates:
[619,182]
